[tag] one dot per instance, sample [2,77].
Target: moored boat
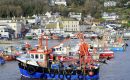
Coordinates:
[107,54]
[2,61]
[9,53]
[38,64]
[103,53]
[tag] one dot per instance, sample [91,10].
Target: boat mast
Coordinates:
[40,45]
[85,56]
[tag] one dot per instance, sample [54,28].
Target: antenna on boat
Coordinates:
[40,44]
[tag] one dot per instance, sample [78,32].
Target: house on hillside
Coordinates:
[75,15]
[127,4]
[48,14]
[88,20]
[110,3]
[84,28]
[70,25]
[57,2]
[110,16]
[54,27]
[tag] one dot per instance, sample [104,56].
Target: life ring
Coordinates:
[59,75]
[52,73]
[80,74]
[68,75]
[90,73]
[31,70]
[43,76]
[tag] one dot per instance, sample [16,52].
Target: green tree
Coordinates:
[93,7]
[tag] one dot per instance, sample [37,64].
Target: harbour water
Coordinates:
[116,69]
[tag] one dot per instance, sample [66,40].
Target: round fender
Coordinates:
[61,76]
[43,76]
[31,70]
[68,74]
[90,73]
[52,75]
[80,76]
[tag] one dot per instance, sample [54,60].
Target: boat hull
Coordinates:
[117,49]
[106,55]
[30,71]
[9,58]
[2,61]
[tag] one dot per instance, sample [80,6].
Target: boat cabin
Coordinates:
[36,56]
[61,50]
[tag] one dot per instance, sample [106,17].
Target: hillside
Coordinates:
[10,8]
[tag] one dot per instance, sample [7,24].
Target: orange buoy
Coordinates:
[91,73]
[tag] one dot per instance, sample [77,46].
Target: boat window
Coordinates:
[54,49]
[36,56]
[41,56]
[60,48]
[32,56]
[28,56]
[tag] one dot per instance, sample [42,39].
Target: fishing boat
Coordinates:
[119,45]
[2,61]
[9,53]
[103,53]
[39,63]
[106,54]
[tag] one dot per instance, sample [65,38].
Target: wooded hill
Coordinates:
[10,8]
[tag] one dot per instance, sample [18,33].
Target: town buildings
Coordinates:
[110,16]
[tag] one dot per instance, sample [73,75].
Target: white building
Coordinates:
[110,3]
[58,2]
[54,27]
[6,31]
[31,21]
[16,26]
[48,14]
[75,15]
[84,28]
[110,16]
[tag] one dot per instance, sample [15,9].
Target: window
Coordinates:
[28,56]
[41,56]
[5,30]
[36,56]
[32,56]
[53,49]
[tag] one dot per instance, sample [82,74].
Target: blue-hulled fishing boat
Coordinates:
[2,61]
[118,47]
[40,64]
